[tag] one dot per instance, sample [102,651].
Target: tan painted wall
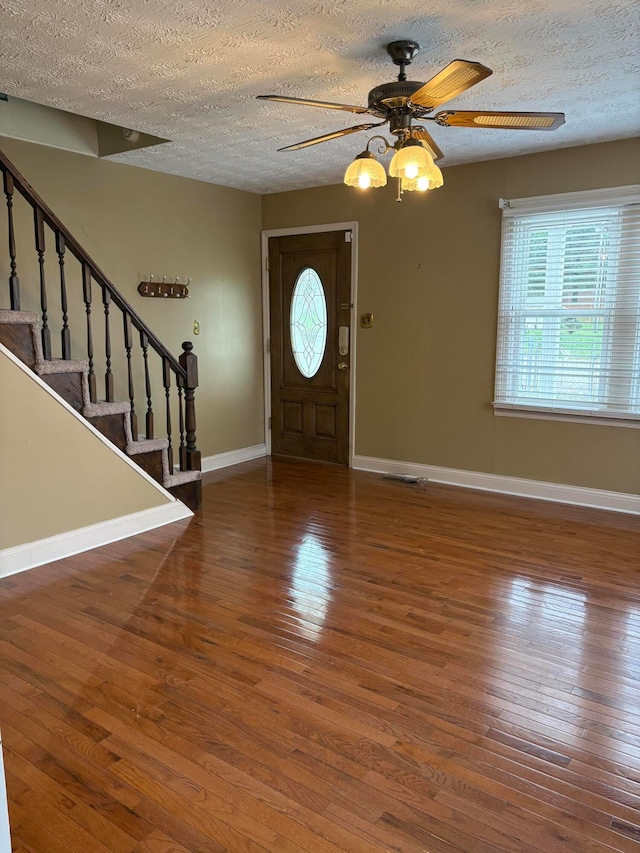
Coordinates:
[134,222]
[429,270]
[21,119]
[70,481]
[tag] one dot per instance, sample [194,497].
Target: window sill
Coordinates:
[574,417]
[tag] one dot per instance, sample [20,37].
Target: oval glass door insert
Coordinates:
[308,322]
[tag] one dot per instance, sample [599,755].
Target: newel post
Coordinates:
[189,363]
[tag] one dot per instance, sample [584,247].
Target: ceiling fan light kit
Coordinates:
[364,172]
[420,185]
[403,105]
[411,161]
[430,180]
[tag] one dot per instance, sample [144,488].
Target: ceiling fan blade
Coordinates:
[421,134]
[457,77]
[503,120]
[327,105]
[327,136]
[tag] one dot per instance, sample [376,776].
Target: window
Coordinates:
[308,322]
[569,314]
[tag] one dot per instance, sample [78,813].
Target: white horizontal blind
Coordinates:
[569,315]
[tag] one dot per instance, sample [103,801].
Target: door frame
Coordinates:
[266,319]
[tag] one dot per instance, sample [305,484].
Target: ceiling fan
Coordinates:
[404,104]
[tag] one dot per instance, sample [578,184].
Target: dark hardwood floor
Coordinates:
[323,660]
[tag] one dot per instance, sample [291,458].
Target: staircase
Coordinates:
[143,362]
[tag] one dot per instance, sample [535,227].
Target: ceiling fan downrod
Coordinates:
[402,53]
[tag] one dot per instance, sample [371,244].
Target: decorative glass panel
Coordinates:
[308,322]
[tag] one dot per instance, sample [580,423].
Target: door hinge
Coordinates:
[347,236]
[266,263]
[268,344]
[269,423]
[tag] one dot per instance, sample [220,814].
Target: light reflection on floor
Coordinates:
[563,623]
[311,586]
[545,600]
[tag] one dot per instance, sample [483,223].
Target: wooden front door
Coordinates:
[309,297]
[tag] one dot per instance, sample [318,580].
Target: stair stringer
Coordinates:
[134,447]
[48,494]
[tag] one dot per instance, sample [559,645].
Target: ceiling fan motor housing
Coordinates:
[390,96]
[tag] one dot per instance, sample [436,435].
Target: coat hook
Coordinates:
[169,286]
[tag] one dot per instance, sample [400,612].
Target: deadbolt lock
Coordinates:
[342,365]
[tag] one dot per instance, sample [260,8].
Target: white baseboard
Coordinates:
[577,495]
[233,457]
[32,554]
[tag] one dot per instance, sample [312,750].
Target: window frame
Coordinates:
[510,343]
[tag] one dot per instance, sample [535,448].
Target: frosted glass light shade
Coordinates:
[411,162]
[431,181]
[435,177]
[365,172]
[418,185]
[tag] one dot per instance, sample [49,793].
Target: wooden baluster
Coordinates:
[46,332]
[86,293]
[166,381]
[128,343]
[144,341]
[65,333]
[14,281]
[189,362]
[108,376]
[182,450]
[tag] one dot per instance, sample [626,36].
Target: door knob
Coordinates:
[342,365]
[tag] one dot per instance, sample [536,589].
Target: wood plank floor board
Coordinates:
[223,762]
[390,839]
[224,795]
[504,798]
[84,815]
[232,785]
[322,660]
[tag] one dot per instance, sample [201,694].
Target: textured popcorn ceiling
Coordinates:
[189,70]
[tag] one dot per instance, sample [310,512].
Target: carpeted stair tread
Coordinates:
[22,317]
[102,407]
[180,477]
[61,365]
[146,445]
[25,318]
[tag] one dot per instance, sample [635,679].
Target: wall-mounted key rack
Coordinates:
[164,288]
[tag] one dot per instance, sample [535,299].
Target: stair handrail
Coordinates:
[32,197]
[185,368]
